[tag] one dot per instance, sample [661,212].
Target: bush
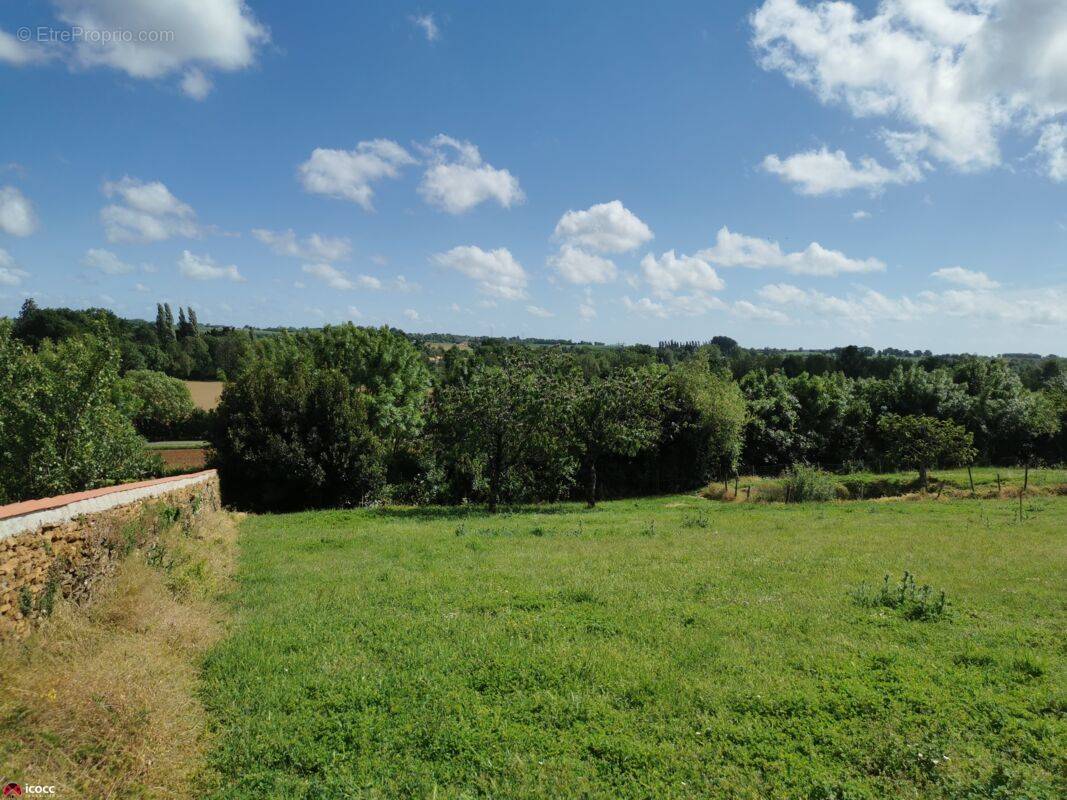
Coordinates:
[804,484]
[914,603]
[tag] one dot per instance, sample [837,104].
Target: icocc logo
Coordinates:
[13,789]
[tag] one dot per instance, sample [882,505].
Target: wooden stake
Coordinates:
[970,477]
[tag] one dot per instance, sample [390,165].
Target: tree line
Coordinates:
[344,415]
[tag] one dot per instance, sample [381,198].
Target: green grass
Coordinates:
[661,648]
[191,444]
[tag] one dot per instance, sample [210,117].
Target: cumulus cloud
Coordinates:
[818,172]
[336,279]
[20,54]
[1052,148]
[496,272]
[864,307]
[196,84]
[412,314]
[10,274]
[457,179]
[348,174]
[204,268]
[313,247]
[145,212]
[670,273]
[578,266]
[191,36]
[737,250]
[965,277]
[17,216]
[427,24]
[587,311]
[680,284]
[107,262]
[861,215]
[538,311]
[605,227]
[747,310]
[958,75]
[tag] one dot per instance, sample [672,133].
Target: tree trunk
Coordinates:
[924,479]
[494,477]
[590,488]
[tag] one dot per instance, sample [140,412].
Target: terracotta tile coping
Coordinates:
[46,503]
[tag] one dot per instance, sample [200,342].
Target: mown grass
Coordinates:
[661,648]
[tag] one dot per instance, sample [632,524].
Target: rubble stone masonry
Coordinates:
[60,547]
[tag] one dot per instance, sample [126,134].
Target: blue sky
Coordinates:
[786,173]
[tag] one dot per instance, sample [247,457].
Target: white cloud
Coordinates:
[457,179]
[146,212]
[427,24]
[203,268]
[107,262]
[17,216]
[402,284]
[10,274]
[865,307]
[165,38]
[311,248]
[330,275]
[140,287]
[818,172]
[605,227]
[747,310]
[538,311]
[20,54]
[348,174]
[737,250]
[496,271]
[587,311]
[957,75]
[354,312]
[196,84]
[965,277]
[861,215]
[670,274]
[411,314]
[681,285]
[1052,147]
[578,266]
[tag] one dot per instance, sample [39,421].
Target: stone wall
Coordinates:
[61,547]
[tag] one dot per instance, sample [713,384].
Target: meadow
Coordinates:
[670,647]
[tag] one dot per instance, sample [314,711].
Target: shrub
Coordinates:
[914,603]
[803,484]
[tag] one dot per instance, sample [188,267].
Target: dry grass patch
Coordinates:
[101,699]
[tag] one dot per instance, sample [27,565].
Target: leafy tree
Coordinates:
[617,415]
[503,429]
[773,438]
[157,403]
[62,428]
[291,435]
[704,421]
[320,418]
[922,442]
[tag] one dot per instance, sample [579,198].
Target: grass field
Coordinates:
[660,648]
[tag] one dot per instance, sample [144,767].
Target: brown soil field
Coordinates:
[187,458]
[205,394]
